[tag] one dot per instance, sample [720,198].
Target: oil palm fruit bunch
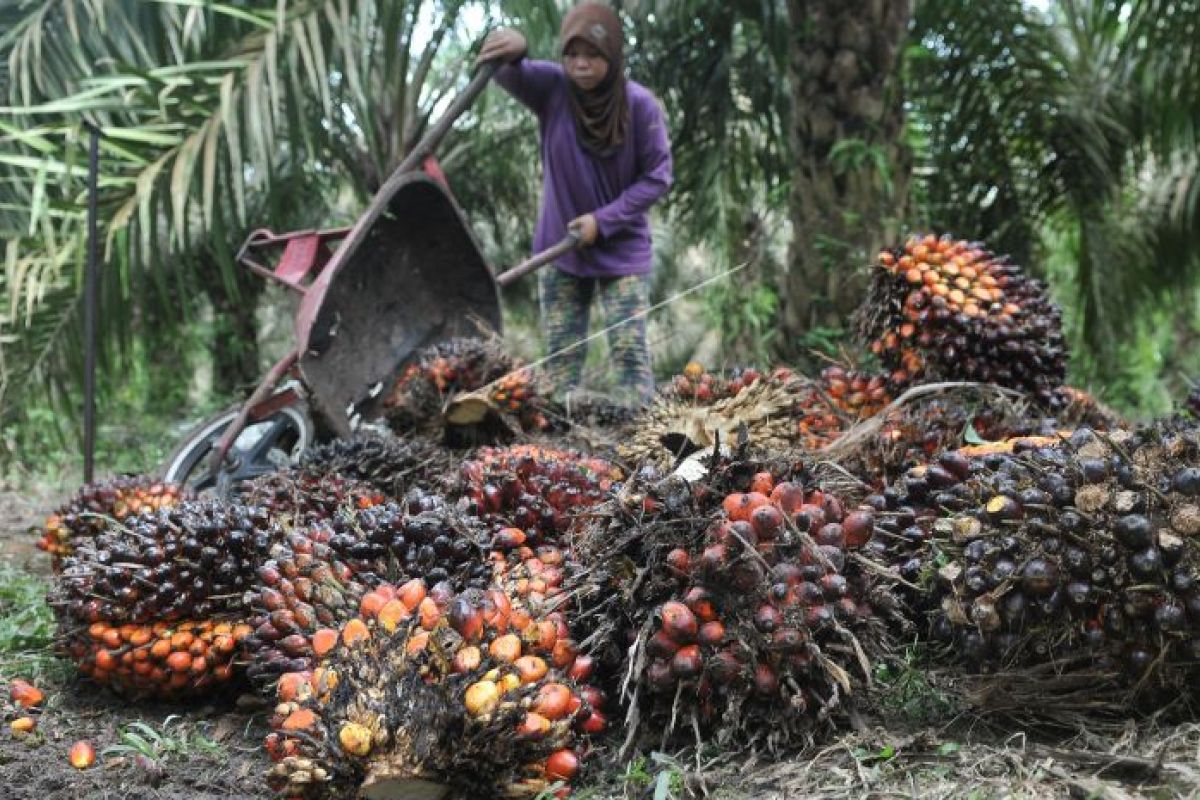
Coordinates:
[672,427]
[532,490]
[947,309]
[318,576]
[467,692]
[1083,552]
[700,386]
[163,660]
[87,513]
[737,599]
[828,407]
[389,463]
[136,599]
[459,366]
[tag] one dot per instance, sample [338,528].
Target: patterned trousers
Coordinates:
[566,301]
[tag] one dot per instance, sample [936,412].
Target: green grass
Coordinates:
[174,738]
[908,692]
[26,628]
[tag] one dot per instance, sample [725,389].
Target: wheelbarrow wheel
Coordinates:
[266,446]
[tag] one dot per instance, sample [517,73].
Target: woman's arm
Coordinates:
[655,171]
[530,81]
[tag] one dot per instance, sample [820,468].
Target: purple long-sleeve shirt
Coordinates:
[618,190]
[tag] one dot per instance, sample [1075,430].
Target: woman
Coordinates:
[606,159]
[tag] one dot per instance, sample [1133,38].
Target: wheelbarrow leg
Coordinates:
[263,391]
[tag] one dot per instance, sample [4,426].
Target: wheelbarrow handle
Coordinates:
[552,253]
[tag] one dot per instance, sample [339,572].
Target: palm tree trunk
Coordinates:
[851,168]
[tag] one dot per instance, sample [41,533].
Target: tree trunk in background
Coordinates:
[235,331]
[850,173]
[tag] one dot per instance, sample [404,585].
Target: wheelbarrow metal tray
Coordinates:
[408,275]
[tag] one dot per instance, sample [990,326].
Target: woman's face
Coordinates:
[584,64]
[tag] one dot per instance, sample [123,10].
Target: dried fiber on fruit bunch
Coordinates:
[735,608]
[86,514]
[503,391]
[388,462]
[1076,408]
[431,690]
[161,660]
[943,309]
[1082,555]
[298,496]
[533,492]
[155,587]
[929,419]
[318,576]
[672,428]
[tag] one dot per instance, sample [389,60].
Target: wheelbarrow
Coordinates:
[408,274]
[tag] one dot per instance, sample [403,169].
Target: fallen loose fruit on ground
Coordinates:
[83,755]
[25,694]
[22,725]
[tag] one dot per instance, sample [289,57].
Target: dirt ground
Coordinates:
[960,755]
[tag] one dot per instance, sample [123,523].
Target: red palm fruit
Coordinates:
[552,701]
[25,694]
[699,601]
[788,640]
[370,604]
[531,669]
[82,755]
[506,648]
[711,633]
[412,593]
[766,683]
[767,618]
[562,765]
[660,645]
[581,669]
[542,635]
[724,667]
[763,483]
[467,659]
[814,514]
[593,723]
[788,496]
[465,619]
[659,675]
[767,521]
[679,622]
[497,609]
[509,538]
[679,561]
[593,696]
[714,559]
[534,726]
[563,654]
[831,534]
[858,527]
[687,662]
